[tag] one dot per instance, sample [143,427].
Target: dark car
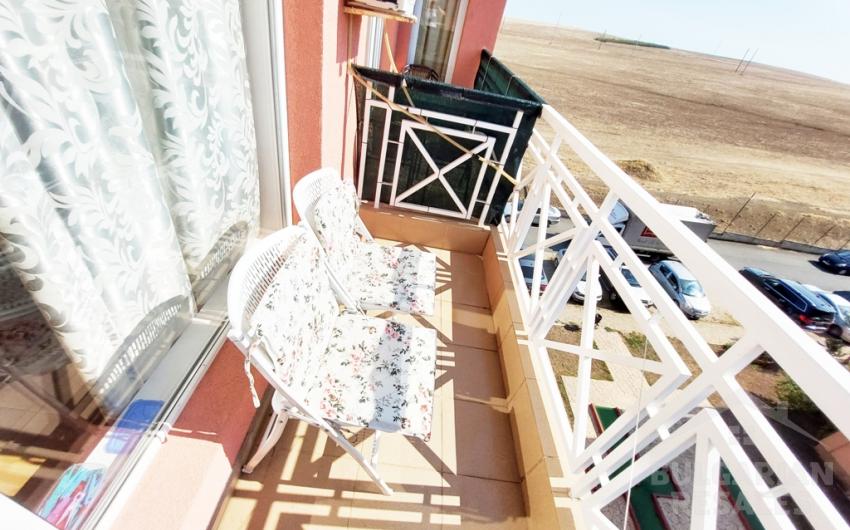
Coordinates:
[837,262]
[802,305]
[527,266]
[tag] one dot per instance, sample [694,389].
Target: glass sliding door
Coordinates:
[436,34]
[128,187]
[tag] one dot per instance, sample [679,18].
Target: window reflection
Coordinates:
[46,414]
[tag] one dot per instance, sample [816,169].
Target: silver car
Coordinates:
[682,287]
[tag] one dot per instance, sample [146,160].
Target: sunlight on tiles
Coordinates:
[465,475]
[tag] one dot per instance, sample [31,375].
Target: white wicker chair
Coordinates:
[333,370]
[368,275]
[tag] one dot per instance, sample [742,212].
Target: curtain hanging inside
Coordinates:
[191,83]
[127,171]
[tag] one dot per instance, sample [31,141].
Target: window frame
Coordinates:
[457,33]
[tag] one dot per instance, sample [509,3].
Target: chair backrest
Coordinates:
[329,206]
[252,276]
[280,292]
[310,188]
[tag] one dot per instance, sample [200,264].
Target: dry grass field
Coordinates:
[699,133]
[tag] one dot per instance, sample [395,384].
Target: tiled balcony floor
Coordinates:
[464,477]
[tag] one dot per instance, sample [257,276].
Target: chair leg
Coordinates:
[368,465]
[375,446]
[274,430]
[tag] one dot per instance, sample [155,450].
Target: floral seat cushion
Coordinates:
[397,278]
[377,277]
[350,368]
[380,377]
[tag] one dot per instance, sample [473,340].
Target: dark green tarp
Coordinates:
[494,77]
[483,105]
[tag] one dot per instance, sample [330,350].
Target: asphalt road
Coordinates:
[796,266]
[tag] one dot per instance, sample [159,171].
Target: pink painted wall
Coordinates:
[480,29]
[342,38]
[183,484]
[320,39]
[303,49]
[399,36]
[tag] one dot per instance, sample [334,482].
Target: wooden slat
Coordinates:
[362,10]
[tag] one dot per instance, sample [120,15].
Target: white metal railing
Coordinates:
[666,419]
[493,143]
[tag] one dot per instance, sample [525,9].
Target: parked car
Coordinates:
[840,327]
[682,287]
[837,262]
[527,266]
[581,286]
[634,286]
[553,214]
[798,302]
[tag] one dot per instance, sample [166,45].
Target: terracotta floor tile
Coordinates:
[396,449]
[476,373]
[465,476]
[415,502]
[468,288]
[483,503]
[305,514]
[412,480]
[295,491]
[468,263]
[484,443]
[470,326]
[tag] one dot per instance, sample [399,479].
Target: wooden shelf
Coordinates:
[363,10]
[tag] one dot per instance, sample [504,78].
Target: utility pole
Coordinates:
[604,33]
[742,60]
[748,62]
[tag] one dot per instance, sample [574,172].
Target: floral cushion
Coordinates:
[396,278]
[353,369]
[335,225]
[378,277]
[297,315]
[378,374]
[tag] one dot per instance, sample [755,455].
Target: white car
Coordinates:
[581,286]
[581,289]
[682,287]
[553,214]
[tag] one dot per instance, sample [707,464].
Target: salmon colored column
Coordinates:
[480,29]
[303,48]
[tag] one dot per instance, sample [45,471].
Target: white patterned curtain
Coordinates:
[191,80]
[127,170]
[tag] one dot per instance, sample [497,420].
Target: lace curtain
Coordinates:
[128,174]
